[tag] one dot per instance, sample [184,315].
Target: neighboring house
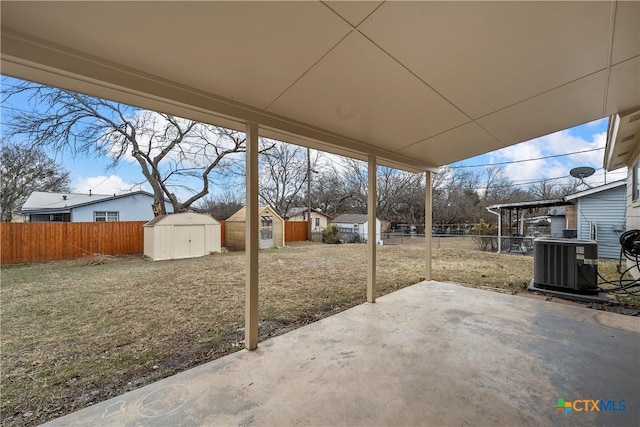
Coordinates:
[596,214]
[356,224]
[72,207]
[319,220]
[601,216]
[271,229]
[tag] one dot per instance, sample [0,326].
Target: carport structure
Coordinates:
[412,85]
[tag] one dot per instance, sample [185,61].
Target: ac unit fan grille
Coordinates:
[560,263]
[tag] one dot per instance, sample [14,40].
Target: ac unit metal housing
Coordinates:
[568,265]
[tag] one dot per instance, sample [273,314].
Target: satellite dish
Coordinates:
[582,172]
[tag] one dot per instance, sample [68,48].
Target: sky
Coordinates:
[91,173]
[590,137]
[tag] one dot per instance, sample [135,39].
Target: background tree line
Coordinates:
[339,185]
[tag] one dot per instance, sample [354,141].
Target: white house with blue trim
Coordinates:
[74,207]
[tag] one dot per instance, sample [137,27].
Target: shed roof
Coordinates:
[241,215]
[183,218]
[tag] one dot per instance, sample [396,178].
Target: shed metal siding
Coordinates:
[183,235]
[136,207]
[606,209]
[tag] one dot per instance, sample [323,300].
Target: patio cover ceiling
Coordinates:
[417,84]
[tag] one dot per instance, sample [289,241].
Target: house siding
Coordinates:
[133,208]
[324,222]
[633,208]
[363,228]
[606,210]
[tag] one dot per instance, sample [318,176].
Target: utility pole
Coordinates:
[308,194]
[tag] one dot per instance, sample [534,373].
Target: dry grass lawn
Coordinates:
[78,332]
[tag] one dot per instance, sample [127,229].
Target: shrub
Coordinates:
[484,236]
[330,234]
[355,239]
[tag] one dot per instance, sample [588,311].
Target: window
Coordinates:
[317,222]
[60,217]
[266,221]
[103,216]
[635,190]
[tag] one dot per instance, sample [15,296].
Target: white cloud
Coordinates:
[550,145]
[597,123]
[112,184]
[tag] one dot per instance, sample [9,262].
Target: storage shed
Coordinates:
[183,235]
[271,229]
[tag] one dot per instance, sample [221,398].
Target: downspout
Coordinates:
[499,227]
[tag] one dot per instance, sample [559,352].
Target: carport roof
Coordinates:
[417,84]
[531,204]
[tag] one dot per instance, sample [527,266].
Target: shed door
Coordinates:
[189,241]
[266,232]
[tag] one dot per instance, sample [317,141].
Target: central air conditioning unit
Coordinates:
[567,265]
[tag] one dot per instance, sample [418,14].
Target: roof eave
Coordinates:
[612,132]
[531,204]
[595,190]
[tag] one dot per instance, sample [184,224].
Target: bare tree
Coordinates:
[496,185]
[341,187]
[455,196]
[283,175]
[25,170]
[497,189]
[222,206]
[401,196]
[172,152]
[550,189]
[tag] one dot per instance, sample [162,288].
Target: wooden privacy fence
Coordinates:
[51,241]
[295,231]
[27,242]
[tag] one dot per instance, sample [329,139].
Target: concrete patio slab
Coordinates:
[430,354]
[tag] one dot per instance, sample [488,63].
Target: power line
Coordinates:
[526,160]
[518,183]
